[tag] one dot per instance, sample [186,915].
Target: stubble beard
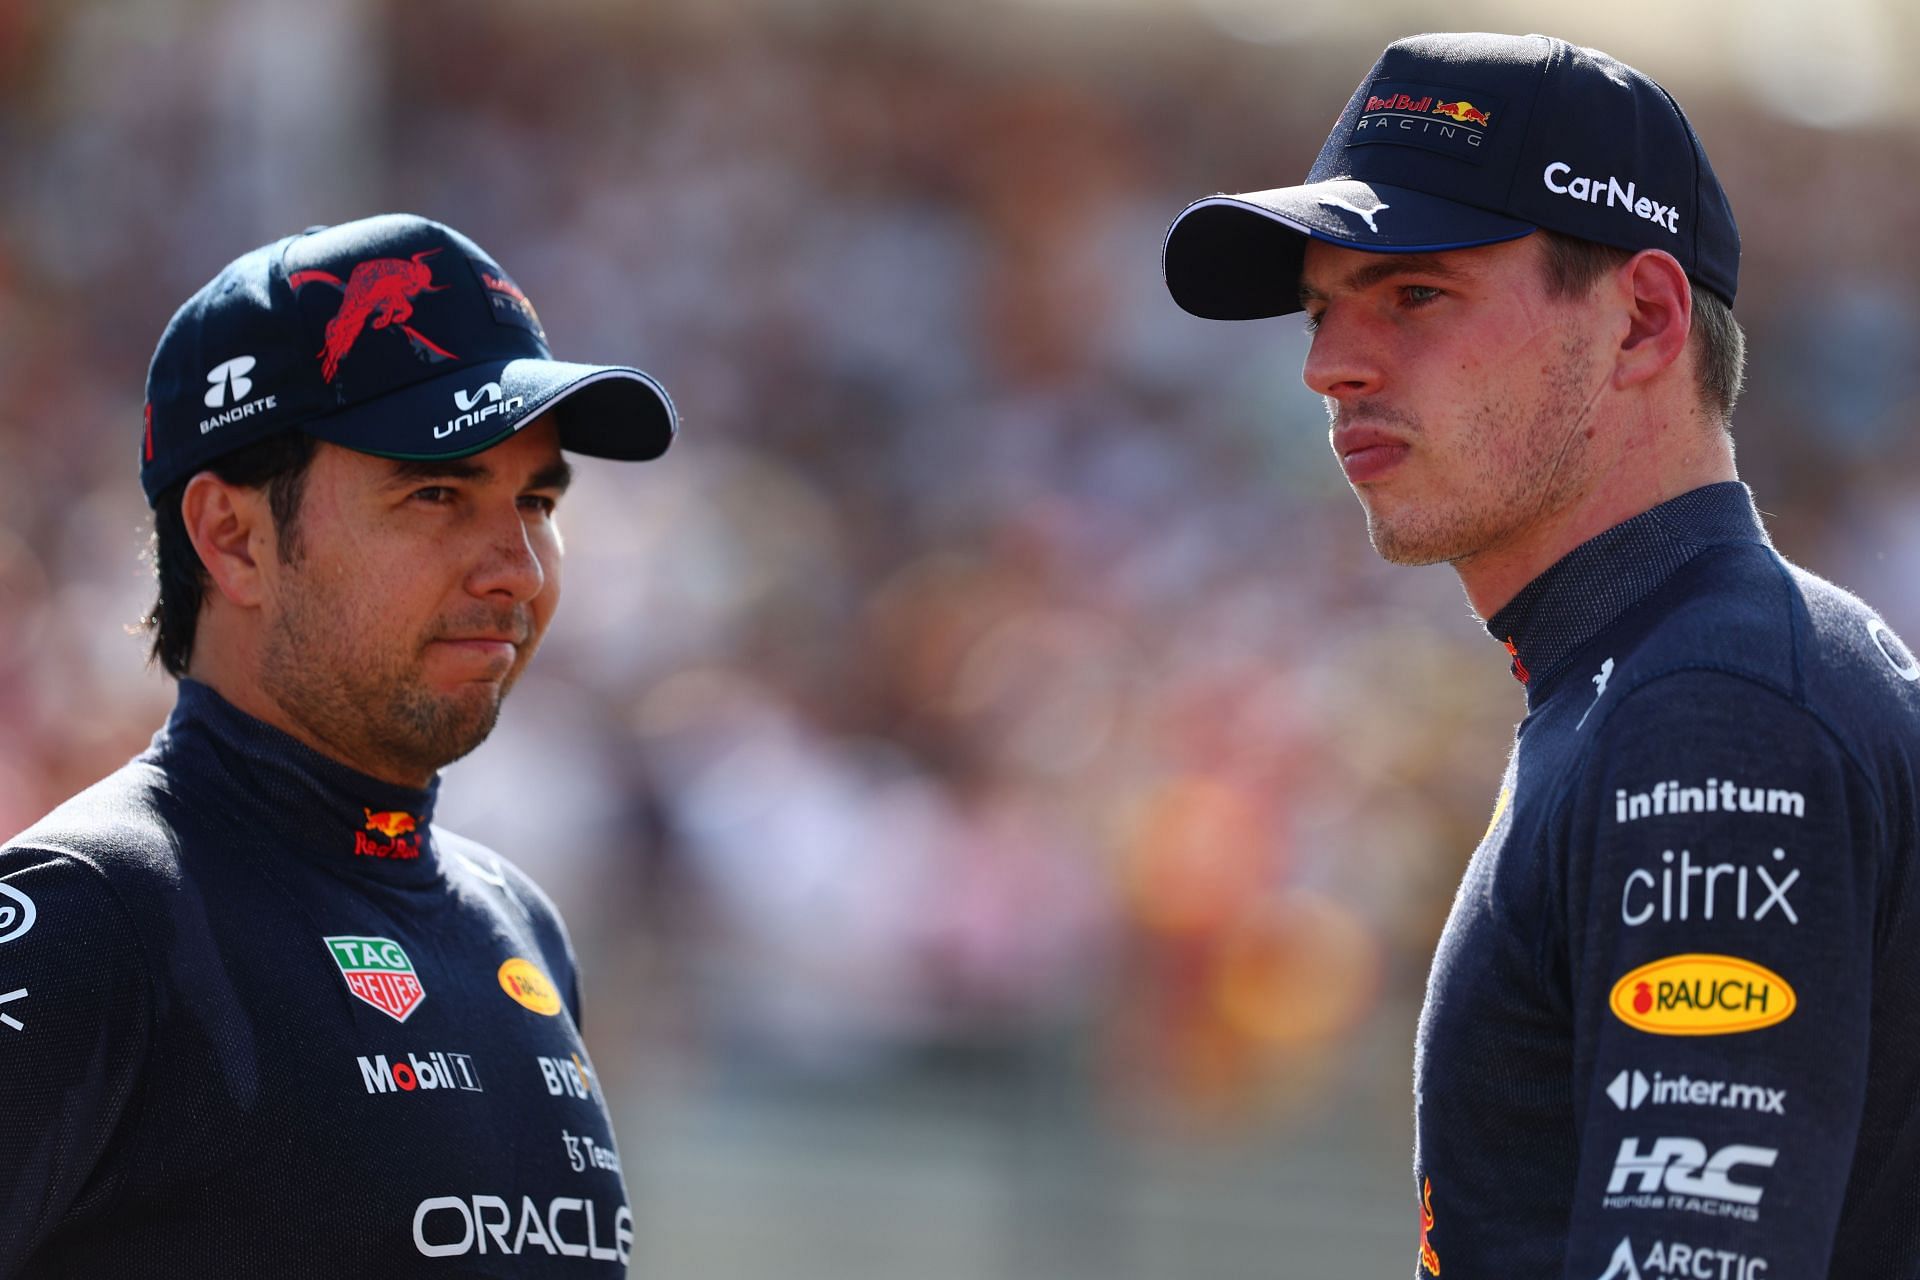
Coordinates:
[372,706]
[1517,477]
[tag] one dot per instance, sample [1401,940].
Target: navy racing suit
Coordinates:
[259,1017]
[1672,1027]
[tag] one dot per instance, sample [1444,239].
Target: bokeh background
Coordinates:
[1004,809]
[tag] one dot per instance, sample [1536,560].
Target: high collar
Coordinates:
[1602,578]
[311,804]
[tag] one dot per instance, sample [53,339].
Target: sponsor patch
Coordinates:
[584,1153]
[1697,994]
[229,385]
[229,390]
[1631,1090]
[401,832]
[510,305]
[471,408]
[530,988]
[1608,191]
[1672,1260]
[1682,1174]
[1690,890]
[567,1077]
[1719,795]
[17,913]
[229,379]
[569,1227]
[407,1075]
[378,971]
[1452,121]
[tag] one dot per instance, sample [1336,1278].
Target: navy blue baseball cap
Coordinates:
[1454,141]
[393,335]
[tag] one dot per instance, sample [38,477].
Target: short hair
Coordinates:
[1720,346]
[279,464]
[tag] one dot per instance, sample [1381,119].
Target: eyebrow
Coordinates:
[1389,264]
[556,475]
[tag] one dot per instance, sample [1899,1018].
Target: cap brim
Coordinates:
[1238,257]
[608,411]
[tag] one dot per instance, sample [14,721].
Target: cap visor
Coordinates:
[1238,257]
[608,411]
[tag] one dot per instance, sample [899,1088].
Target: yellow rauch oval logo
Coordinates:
[1701,995]
[523,980]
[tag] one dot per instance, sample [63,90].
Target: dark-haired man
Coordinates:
[261,1015]
[1673,1024]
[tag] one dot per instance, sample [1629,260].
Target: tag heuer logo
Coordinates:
[378,971]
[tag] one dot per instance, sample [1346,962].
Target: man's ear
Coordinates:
[231,528]
[1659,316]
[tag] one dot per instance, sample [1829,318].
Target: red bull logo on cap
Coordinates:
[377,294]
[1428,116]
[1465,112]
[1398,102]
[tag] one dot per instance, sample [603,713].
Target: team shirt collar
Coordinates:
[270,782]
[1599,580]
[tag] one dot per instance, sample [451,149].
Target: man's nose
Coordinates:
[509,566]
[1345,360]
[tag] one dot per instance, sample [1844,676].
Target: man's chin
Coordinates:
[1397,544]
[449,723]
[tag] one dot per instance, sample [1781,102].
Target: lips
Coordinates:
[485,646]
[492,653]
[1368,453]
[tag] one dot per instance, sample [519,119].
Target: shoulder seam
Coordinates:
[1795,638]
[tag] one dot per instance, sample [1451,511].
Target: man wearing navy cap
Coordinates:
[261,1015]
[1672,1028]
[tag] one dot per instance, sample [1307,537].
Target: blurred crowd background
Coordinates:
[1004,809]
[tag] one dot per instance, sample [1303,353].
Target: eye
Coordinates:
[433,495]
[1311,319]
[1418,295]
[540,502]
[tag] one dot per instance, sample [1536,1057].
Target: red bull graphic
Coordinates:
[389,822]
[1426,116]
[1464,112]
[377,294]
[1429,1260]
[1399,102]
[400,829]
[378,971]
